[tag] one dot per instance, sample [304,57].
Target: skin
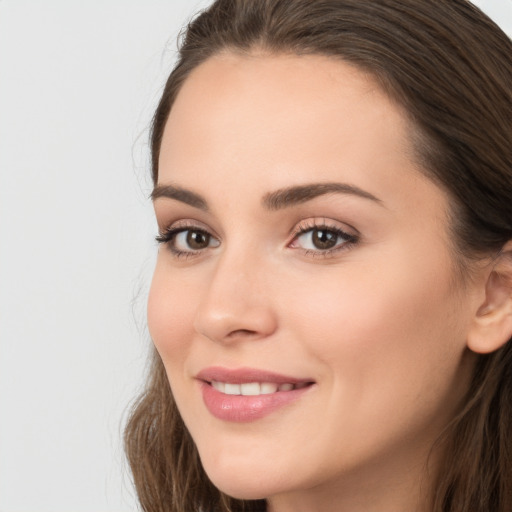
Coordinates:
[380,325]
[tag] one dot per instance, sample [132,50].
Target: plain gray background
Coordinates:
[78,83]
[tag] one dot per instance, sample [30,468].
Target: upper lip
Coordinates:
[246,375]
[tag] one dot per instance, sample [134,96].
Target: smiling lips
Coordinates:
[254,388]
[247,394]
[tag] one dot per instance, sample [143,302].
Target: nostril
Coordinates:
[242,332]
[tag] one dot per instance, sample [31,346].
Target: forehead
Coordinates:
[261,101]
[278,76]
[253,95]
[256,123]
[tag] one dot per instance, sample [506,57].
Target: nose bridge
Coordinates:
[236,303]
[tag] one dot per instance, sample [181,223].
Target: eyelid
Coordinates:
[307,225]
[184,224]
[168,234]
[349,236]
[323,222]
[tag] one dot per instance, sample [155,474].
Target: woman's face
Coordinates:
[303,249]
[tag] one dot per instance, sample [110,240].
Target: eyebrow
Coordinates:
[277,200]
[180,194]
[285,197]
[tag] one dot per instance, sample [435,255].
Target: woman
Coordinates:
[332,300]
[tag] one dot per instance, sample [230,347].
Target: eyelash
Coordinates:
[316,225]
[168,236]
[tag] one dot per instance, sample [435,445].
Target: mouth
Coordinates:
[247,394]
[255,388]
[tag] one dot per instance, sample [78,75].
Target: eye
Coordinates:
[187,241]
[191,239]
[321,239]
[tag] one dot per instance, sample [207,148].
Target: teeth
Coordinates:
[219,386]
[250,389]
[232,389]
[254,388]
[267,388]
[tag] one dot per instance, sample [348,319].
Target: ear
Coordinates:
[492,323]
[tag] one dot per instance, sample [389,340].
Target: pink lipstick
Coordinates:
[248,394]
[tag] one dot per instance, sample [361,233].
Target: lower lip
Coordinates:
[241,408]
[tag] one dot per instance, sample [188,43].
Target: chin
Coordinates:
[241,489]
[244,482]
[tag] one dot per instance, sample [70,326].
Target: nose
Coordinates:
[237,304]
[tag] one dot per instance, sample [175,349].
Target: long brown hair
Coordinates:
[450,68]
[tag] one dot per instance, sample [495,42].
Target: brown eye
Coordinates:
[324,239]
[197,240]
[190,240]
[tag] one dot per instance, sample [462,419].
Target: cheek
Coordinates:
[388,324]
[389,351]
[170,314]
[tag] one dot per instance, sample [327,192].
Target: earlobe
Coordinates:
[492,323]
